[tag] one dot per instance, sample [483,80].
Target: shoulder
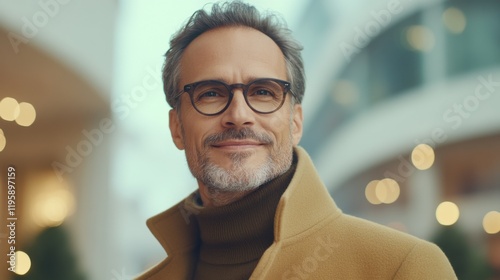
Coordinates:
[369,235]
[411,257]
[372,232]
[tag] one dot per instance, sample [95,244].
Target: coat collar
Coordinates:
[306,200]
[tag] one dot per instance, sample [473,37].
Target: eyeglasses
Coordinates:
[212,97]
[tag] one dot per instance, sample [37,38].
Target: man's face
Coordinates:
[239,149]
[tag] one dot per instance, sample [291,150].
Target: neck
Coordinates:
[216,198]
[233,237]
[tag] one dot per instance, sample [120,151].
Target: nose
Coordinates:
[238,114]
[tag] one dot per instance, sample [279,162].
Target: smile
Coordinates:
[237,145]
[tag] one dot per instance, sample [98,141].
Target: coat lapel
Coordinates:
[177,231]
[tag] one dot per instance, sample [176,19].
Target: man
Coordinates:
[235,82]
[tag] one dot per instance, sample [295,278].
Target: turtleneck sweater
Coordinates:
[234,237]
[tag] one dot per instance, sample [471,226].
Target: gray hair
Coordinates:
[233,14]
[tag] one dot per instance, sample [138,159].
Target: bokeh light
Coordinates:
[387,191]
[27,114]
[491,222]
[345,93]
[23,263]
[454,20]
[420,38]
[3,141]
[423,156]
[370,192]
[53,207]
[9,109]
[447,213]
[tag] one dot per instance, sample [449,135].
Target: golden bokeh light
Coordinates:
[23,263]
[447,213]
[54,207]
[370,192]
[387,191]
[9,109]
[3,141]
[27,114]
[420,38]
[345,93]
[491,222]
[423,156]
[55,211]
[454,20]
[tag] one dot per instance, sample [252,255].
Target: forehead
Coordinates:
[232,54]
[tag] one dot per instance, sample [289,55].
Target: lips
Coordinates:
[237,144]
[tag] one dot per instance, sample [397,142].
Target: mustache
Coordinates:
[237,134]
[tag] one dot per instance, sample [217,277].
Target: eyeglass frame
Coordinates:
[189,89]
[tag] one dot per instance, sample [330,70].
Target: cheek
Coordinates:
[279,126]
[196,130]
[193,139]
[190,122]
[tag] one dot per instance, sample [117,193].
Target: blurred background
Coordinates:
[401,120]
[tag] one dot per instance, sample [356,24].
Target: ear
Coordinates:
[176,129]
[297,121]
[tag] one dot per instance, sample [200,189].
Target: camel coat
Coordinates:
[313,239]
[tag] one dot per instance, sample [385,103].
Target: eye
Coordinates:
[209,94]
[263,92]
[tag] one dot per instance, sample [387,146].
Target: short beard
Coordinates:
[241,178]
